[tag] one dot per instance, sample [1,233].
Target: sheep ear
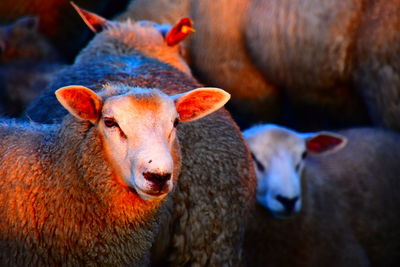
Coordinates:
[199,102]
[30,23]
[95,22]
[179,32]
[81,102]
[325,142]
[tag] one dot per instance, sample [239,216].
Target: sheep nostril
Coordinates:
[157,178]
[288,203]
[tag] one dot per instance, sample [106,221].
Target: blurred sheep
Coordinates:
[335,193]
[289,61]
[27,64]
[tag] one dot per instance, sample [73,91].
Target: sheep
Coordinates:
[87,191]
[24,52]
[59,23]
[337,193]
[342,56]
[205,220]
[284,61]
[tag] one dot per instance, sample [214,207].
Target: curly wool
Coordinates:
[61,203]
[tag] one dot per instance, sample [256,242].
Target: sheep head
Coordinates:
[21,40]
[161,42]
[138,130]
[279,155]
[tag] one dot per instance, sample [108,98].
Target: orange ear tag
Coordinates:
[179,32]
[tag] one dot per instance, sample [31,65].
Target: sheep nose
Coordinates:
[158,179]
[288,203]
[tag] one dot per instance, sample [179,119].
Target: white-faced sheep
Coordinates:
[87,191]
[313,58]
[342,188]
[27,63]
[205,220]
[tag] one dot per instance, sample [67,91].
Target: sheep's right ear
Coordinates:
[199,102]
[325,142]
[95,22]
[81,102]
[30,23]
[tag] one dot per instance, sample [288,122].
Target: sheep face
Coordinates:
[139,132]
[138,129]
[279,156]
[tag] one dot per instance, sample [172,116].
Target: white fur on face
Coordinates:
[144,139]
[279,152]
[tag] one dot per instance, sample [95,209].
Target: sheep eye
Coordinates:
[176,122]
[297,167]
[304,155]
[259,165]
[110,122]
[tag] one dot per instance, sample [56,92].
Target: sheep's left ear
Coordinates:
[95,22]
[81,102]
[178,32]
[325,142]
[199,102]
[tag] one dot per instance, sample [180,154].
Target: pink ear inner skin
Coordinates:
[81,103]
[95,22]
[192,106]
[322,143]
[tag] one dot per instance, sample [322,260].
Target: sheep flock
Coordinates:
[200,133]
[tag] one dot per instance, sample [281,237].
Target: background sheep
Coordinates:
[72,194]
[221,44]
[324,53]
[288,60]
[58,20]
[27,63]
[204,224]
[349,198]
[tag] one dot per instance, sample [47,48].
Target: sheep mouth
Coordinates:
[150,194]
[283,215]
